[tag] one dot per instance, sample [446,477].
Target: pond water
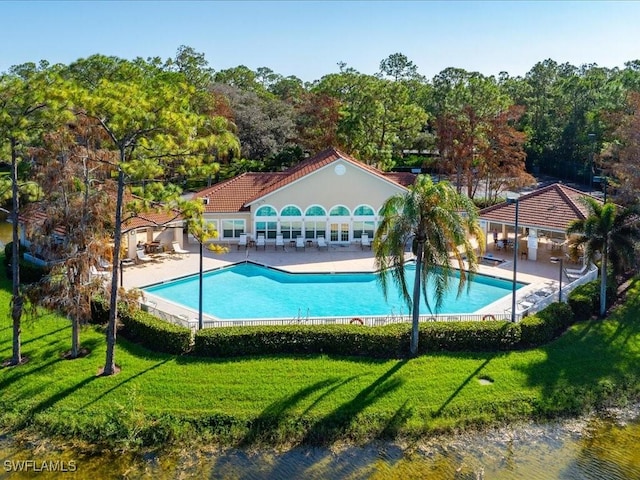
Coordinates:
[597,448]
[5,230]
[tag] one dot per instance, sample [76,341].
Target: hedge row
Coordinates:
[156,334]
[391,341]
[146,329]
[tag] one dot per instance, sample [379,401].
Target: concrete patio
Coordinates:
[539,274]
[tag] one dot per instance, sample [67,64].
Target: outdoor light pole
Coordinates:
[515,258]
[561,262]
[200,323]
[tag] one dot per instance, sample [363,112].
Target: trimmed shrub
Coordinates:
[468,336]
[584,300]
[391,341]
[99,311]
[156,334]
[545,325]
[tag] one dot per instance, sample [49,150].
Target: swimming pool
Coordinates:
[251,291]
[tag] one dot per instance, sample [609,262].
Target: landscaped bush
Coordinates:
[546,324]
[468,336]
[391,341]
[156,334]
[584,300]
[99,311]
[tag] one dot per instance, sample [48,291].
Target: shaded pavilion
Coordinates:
[543,218]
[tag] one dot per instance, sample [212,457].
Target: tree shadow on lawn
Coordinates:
[123,382]
[336,424]
[588,363]
[41,360]
[333,426]
[462,385]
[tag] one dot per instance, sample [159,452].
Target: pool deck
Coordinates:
[350,258]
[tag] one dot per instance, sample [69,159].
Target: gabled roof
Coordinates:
[238,193]
[552,208]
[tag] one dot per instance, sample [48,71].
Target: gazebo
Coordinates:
[543,217]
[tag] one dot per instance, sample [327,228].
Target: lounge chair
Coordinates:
[260,242]
[97,273]
[322,243]
[300,242]
[242,241]
[178,249]
[365,242]
[582,271]
[279,241]
[142,257]
[572,276]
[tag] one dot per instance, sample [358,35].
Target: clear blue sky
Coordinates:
[309,38]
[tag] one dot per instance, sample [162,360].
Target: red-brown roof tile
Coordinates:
[235,194]
[552,207]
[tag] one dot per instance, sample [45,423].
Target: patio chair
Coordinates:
[178,249]
[365,242]
[300,242]
[260,242]
[571,276]
[581,272]
[279,242]
[94,272]
[142,257]
[242,241]
[322,243]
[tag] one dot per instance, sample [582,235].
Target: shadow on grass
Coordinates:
[591,363]
[271,419]
[337,424]
[123,382]
[462,385]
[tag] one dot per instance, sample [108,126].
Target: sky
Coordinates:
[309,38]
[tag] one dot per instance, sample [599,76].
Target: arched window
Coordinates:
[290,222]
[266,211]
[339,211]
[267,224]
[315,223]
[315,211]
[363,221]
[339,224]
[291,211]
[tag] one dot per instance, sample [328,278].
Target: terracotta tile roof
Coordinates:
[151,219]
[236,194]
[34,214]
[232,195]
[551,208]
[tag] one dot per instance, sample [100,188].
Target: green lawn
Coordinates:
[160,398]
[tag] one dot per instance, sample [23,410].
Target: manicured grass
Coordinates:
[159,398]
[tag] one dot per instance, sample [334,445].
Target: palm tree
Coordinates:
[609,235]
[437,220]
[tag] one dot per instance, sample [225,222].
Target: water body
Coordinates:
[254,291]
[597,448]
[5,230]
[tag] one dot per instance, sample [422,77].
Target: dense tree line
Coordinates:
[103,139]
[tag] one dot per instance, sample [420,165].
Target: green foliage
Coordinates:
[156,334]
[468,336]
[346,340]
[584,300]
[546,324]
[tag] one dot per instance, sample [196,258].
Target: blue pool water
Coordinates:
[246,291]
